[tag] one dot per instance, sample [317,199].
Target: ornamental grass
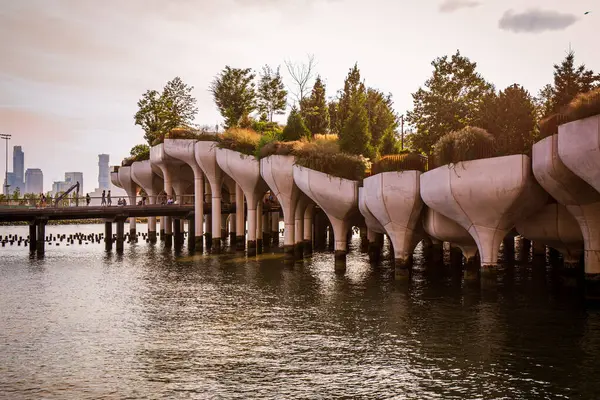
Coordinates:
[469,143]
[549,125]
[406,161]
[584,105]
[244,141]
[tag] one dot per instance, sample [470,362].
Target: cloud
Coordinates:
[449,6]
[535,21]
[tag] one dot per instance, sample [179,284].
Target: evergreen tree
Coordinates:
[234,94]
[334,124]
[271,93]
[295,128]
[352,85]
[314,109]
[569,81]
[511,118]
[543,101]
[389,143]
[355,136]
[381,116]
[451,100]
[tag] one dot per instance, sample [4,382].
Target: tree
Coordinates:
[234,94]
[451,100]
[158,113]
[301,74]
[16,194]
[140,152]
[332,109]
[389,143]
[315,110]
[511,118]
[352,85]
[382,118]
[271,93]
[569,81]
[543,101]
[295,128]
[355,136]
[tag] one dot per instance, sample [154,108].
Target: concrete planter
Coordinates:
[486,197]
[554,226]
[337,197]
[444,229]
[278,172]
[394,200]
[370,220]
[149,178]
[580,199]
[579,149]
[245,170]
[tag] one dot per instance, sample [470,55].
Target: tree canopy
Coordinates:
[314,109]
[295,128]
[233,91]
[271,93]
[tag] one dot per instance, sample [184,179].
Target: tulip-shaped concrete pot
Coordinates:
[337,197]
[245,170]
[131,188]
[486,197]
[554,226]
[375,230]
[581,200]
[278,172]
[206,157]
[444,229]
[299,209]
[149,178]
[183,150]
[231,187]
[114,176]
[394,200]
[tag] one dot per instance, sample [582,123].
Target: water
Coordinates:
[84,324]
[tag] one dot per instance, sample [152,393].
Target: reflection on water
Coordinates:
[85,324]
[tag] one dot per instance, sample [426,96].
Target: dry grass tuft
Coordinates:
[400,162]
[469,143]
[584,105]
[241,140]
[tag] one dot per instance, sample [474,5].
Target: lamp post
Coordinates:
[6,137]
[402,132]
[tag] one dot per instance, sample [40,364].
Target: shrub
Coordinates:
[584,105]
[400,162]
[338,164]
[549,125]
[241,140]
[469,143]
[295,128]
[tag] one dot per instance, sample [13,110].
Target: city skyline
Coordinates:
[72,74]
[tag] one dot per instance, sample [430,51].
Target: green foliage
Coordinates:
[334,122]
[400,162]
[269,147]
[244,141]
[451,100]
[158,113]
[314,109]
[355,136]
[584,105]
[271,93]
[140,152]
[352,86]
[389,143]
[549,125]
[569,81]
[469,143]
[510,117]
[234,94]
[265,127]
[16,194]
[295,128]
[382,118]
[340,165]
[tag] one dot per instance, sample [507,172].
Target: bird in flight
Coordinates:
[586,13]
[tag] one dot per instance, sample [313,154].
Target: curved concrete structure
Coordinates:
[444,229]
[581,200]
[393,198]
[149,178]
[300,208]
[337,197]
[231,187]
[183,150]
[486,197]
[579,149]
[114,176]
[553,225]
[278,173]
[130,187]
[245,170]
[206,158]
[308,227]
[372,222]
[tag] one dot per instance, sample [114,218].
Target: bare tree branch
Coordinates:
[301,74]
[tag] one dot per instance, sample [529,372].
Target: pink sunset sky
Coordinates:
[71,71]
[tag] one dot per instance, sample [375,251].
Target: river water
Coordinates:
[85,324]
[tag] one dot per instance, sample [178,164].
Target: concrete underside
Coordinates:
[505,193]
[444,229]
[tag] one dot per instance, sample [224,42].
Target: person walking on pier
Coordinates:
[103,198]
[108,199]
[87,199]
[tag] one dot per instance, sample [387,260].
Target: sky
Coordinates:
[72,71]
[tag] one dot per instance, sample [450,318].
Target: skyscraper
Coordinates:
[103,172]
[34,181]
[18,164]
[72,178]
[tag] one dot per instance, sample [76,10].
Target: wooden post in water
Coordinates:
[32,235]
[108,235]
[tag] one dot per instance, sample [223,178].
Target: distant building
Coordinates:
[34,181]
[15,179]
[59,187]
[71,178]
[103,172]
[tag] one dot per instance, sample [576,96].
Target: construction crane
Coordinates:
[62,196]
